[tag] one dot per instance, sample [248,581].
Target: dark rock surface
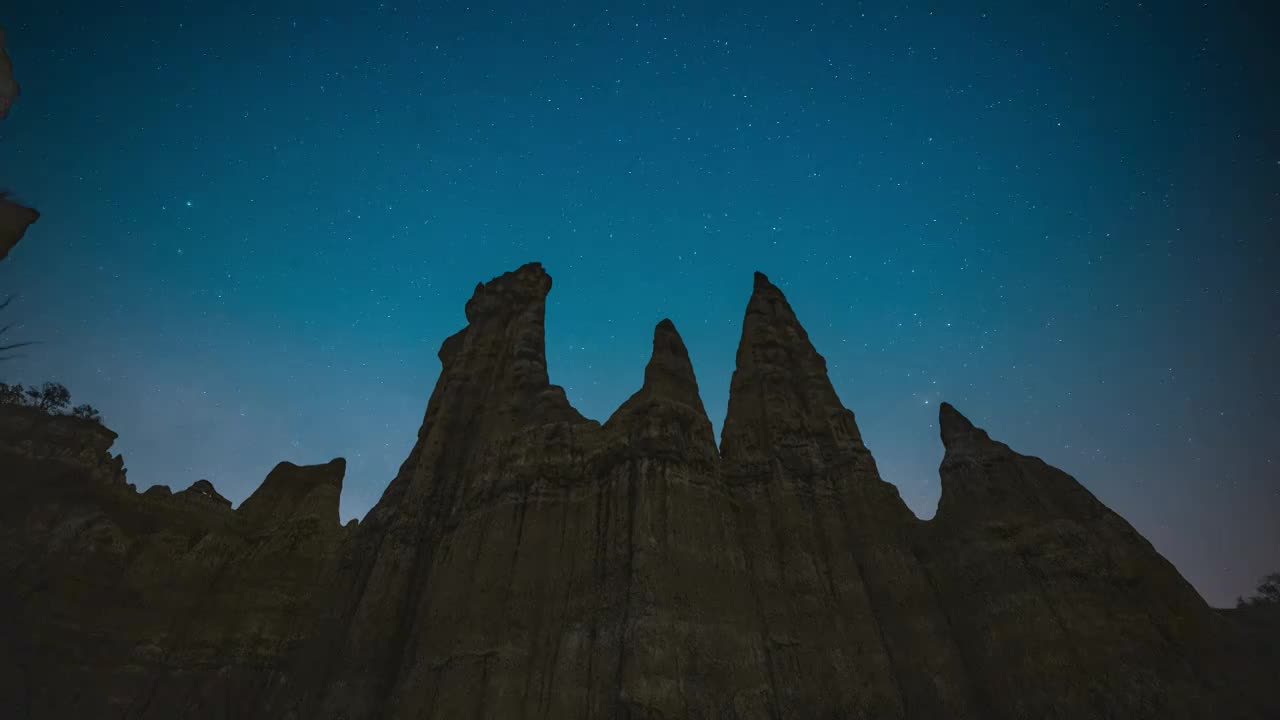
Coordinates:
[119,604]
[529,562]
[15,218]
[9,88]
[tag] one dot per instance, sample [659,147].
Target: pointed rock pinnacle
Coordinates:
[958,434]
[669,373]
[666,413]
[780,397]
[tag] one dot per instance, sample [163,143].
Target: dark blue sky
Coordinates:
[258,227]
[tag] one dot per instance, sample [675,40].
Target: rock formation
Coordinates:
[119,604]
[14,217]
[9,88]
[527,562]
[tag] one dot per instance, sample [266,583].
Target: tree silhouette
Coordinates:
[50,397]
[88,412]
[1268,593]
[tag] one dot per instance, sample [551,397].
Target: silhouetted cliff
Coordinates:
[529,562]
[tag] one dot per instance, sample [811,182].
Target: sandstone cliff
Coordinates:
[119,604]
[529,562]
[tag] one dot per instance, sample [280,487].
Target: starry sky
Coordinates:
[258,227]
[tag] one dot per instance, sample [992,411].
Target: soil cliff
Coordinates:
[527,562]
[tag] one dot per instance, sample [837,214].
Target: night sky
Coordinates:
[258,227]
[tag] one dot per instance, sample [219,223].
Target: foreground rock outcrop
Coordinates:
[15,218]
[529,562]
[9,88]
[160,604]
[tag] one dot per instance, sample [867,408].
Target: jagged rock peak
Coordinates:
[771,323]
[506,335]
[982,477]
[666,414]
[522,566]
[493,379]
[669,374]
[958,434]
[780,395]
[509,292]
[203,487]
[202,492]
[292,490]
[158,492]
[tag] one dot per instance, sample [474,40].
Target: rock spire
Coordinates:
[527,562]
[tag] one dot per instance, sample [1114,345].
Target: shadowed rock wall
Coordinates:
[527,562]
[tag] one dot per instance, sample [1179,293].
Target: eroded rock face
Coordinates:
[529,562]
[119,604]
[1033,565]
[848,620]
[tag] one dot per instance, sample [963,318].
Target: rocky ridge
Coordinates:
[529,562]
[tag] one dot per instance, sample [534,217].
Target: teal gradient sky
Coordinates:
[259,226]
